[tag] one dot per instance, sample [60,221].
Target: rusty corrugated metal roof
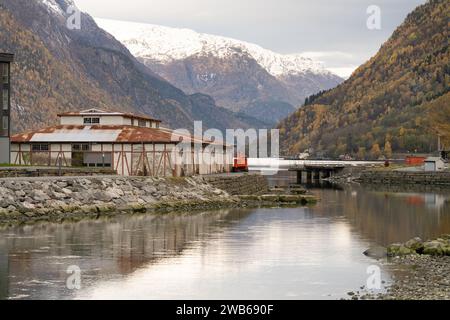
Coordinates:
[101,133]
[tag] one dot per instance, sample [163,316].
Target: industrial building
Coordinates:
[434,164]
[130,144]
[5,106]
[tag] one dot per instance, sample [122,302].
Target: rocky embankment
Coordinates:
[437,247]
[395,177]
[421,270]
[66,198]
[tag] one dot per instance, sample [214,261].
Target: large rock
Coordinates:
[399,249]
[115,193]
[434,248]
[6,201]
[40,196]
[376,252]
[415,244]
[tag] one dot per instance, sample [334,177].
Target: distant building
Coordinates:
[434,164]
[130,144]
[5,106]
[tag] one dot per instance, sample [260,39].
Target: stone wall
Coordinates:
[34,199]
[14,172]
[239,184]
[402,177]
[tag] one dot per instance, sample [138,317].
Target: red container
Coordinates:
[414,160]
[240,164]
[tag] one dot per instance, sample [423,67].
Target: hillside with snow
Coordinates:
[164,45]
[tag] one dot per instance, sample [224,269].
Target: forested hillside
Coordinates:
[396,102]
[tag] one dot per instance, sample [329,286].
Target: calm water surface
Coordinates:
[294,253]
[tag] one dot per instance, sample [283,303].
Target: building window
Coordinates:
[81,147]
[5,99]
[91,120]
[5,73]
[142,123]
[41,147]
[4,125]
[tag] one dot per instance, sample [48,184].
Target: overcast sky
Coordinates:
[333,31]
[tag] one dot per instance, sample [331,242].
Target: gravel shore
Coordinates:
[416,277]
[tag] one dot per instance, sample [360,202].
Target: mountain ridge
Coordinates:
[237,74]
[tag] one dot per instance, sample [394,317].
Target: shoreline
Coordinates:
[420,270]
[28,201]
[418,277]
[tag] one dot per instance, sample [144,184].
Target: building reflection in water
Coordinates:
[103,247]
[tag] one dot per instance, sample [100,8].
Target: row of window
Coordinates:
[4,71]
[40,147]
[141,123]
[4,126]
[46,147]
[81,147]
[91,120]
[5,99]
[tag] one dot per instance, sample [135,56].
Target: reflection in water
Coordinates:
[34,259]
[295,253]
[382,214]
[386,217]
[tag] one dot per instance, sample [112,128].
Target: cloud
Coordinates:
[343,72]
[327,54]
[339,62]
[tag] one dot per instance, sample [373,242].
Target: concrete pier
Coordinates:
[315,174]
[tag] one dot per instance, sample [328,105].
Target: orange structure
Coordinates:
[240,164]
[415,160]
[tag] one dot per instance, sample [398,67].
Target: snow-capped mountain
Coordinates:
[57,6]
[240,76]
[165,45]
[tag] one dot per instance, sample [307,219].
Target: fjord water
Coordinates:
[290,253]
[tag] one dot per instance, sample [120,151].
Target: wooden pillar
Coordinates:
[316,175]
[299,177]
[309,176]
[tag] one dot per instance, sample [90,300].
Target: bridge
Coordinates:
[307,170]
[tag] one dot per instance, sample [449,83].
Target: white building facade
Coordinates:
[129,144]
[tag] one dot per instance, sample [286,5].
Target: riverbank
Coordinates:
[396,177]
[28,200]
[420,271]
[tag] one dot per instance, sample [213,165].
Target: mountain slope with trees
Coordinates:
[396,102]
